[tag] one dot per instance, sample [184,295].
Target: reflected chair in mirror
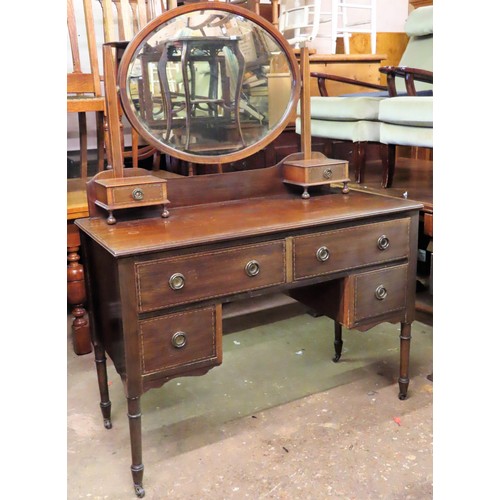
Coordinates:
[83,96]
[355,117]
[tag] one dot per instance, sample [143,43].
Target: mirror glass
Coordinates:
[208,83]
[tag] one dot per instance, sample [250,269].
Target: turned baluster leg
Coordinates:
[404,365]
[76,298]
[338,341]
[134,419]
[102,378]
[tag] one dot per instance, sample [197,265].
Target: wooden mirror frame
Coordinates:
[137,41]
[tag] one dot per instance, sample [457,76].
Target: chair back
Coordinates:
[84,76]
[122,19]
[418,52]
[299,21]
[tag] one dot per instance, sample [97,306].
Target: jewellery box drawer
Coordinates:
[341,249]
[375,293]
[188,278]
[181,341]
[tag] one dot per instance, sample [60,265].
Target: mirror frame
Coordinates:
[136,43]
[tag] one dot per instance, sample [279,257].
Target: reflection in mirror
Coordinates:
[209,83]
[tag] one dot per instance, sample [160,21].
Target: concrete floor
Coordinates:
[276,420]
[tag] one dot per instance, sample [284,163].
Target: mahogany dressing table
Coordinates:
[156,282]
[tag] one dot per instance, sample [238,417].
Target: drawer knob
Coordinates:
[380,292]
[323,254]
[252,268]
[176,281]
[179,340]
[383,242]
[138,194]
[327,174]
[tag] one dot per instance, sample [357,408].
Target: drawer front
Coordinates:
[343,249]
[140,194]
[180,280]
[180,342]
[380,292]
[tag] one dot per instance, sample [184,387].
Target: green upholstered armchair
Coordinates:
[356,117]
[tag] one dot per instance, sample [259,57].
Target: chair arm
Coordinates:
[322,77]
[409,74]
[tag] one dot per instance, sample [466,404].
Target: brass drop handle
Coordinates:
[138,194]
[179,340]
[380,292]
[383,242]
[252,268]
[323,254]
[177,281]
[327,173]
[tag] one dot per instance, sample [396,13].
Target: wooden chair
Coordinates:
[83,96]
[122,19]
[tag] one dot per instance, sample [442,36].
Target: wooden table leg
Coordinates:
[76,294]
[102,379]
[137,467]
[404,378]
[338,342]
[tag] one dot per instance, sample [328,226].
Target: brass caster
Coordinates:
[107,423]
[139,490]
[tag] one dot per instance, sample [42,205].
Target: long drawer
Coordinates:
[181,341]
[189,278]
[342,249]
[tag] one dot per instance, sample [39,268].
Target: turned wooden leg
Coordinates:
[404,363]
[102,379]
[338,342]
[389,164]
[76,295]
[134,419]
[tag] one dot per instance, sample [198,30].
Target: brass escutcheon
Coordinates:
[176,281]
[252,268]
[323,254]
[383,242]
[327,174]
[380,292]
[179,340]
[138,194]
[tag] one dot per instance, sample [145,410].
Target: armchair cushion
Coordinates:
[342,109]
[355,131]
[406,121]
[419,23]
[407,110]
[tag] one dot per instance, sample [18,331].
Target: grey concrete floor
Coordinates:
[278,419]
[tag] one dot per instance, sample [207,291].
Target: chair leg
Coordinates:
[359,161]
[82,128]
[388,154]
[100,140]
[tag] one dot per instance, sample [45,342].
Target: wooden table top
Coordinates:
[228,221]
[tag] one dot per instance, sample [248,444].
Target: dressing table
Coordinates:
[156,281]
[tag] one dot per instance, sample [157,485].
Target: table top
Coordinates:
[231,220]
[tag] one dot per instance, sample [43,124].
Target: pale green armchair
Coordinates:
[356,117]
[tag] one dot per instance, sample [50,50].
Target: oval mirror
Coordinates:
[209,82]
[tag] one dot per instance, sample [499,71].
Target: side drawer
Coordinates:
[188,278]
[375,293]
[343,249]
[181,341]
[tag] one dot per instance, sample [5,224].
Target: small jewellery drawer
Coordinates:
[144,193]
[181,341]
[328,252]
[376,293]
[132,191]
[188,278]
